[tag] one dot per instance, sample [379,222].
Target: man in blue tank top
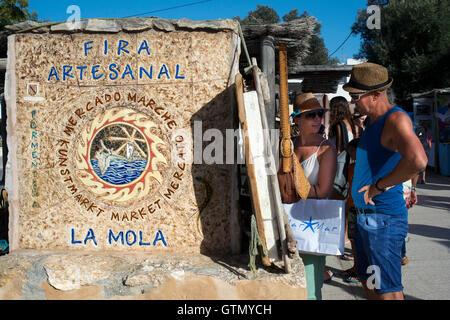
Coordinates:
[388,154]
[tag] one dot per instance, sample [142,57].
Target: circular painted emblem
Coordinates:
[117,156]
[119,153]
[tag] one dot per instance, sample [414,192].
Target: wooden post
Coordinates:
[286,143]
[3,134]
[268,67]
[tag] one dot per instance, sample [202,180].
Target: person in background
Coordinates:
[340,112]
[426,139]
[341,119]
[359,120]
[318,159]
[350,275]
[410,196]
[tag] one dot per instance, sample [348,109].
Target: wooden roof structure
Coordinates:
[297,35]
[322,78]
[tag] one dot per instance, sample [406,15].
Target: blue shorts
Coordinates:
[378,241]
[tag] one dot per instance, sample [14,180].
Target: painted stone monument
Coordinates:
[121,178]
[105,136]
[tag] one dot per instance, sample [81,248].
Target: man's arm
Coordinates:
[398,136]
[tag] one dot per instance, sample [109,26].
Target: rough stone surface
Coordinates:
[23,25]
[206,24]
[127,25]
[33,274]
[100,25]
[68,274]
[136,24]
[69,26]
[71,96]
[164,25]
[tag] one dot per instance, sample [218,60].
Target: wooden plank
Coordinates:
[2,64]
[251,171]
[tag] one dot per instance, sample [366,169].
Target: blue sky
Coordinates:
[336,16]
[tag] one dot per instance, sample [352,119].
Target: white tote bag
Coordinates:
[318,225]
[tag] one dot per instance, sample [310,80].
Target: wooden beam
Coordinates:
[3,64]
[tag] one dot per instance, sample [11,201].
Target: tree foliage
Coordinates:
[15,11]
[262,15]
[267,15]
[413,43]
[293,15]
[318,51]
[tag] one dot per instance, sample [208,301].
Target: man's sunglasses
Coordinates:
[313,114]
[356,96]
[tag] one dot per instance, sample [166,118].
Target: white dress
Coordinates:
[311,166]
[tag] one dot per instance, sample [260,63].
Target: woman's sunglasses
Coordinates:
[314,114]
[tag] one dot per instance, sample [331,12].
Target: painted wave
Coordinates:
[121,172]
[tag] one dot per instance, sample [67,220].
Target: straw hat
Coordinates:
[368,77]
[305,102]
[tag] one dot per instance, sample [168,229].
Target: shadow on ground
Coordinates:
[430,231]
[435,202]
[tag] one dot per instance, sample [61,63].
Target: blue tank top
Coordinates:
[373,161]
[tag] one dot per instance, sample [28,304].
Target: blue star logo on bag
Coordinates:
[314,226]
[309,224]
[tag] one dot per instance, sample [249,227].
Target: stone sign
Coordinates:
[102,127]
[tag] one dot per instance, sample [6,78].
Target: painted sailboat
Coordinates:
[120,165]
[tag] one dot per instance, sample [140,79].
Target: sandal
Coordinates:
[347,257]
[351,276]
[331,274]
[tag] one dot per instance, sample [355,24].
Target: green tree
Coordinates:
[262,15]
[318,51]
[15,11]
[413,43]
[267,15]
[291,15]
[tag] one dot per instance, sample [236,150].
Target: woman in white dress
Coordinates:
[318,159]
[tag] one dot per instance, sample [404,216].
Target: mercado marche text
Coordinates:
[63,146]
[113,71]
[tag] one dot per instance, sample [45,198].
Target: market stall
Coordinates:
[432,113]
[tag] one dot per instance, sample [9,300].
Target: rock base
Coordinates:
[42,275]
